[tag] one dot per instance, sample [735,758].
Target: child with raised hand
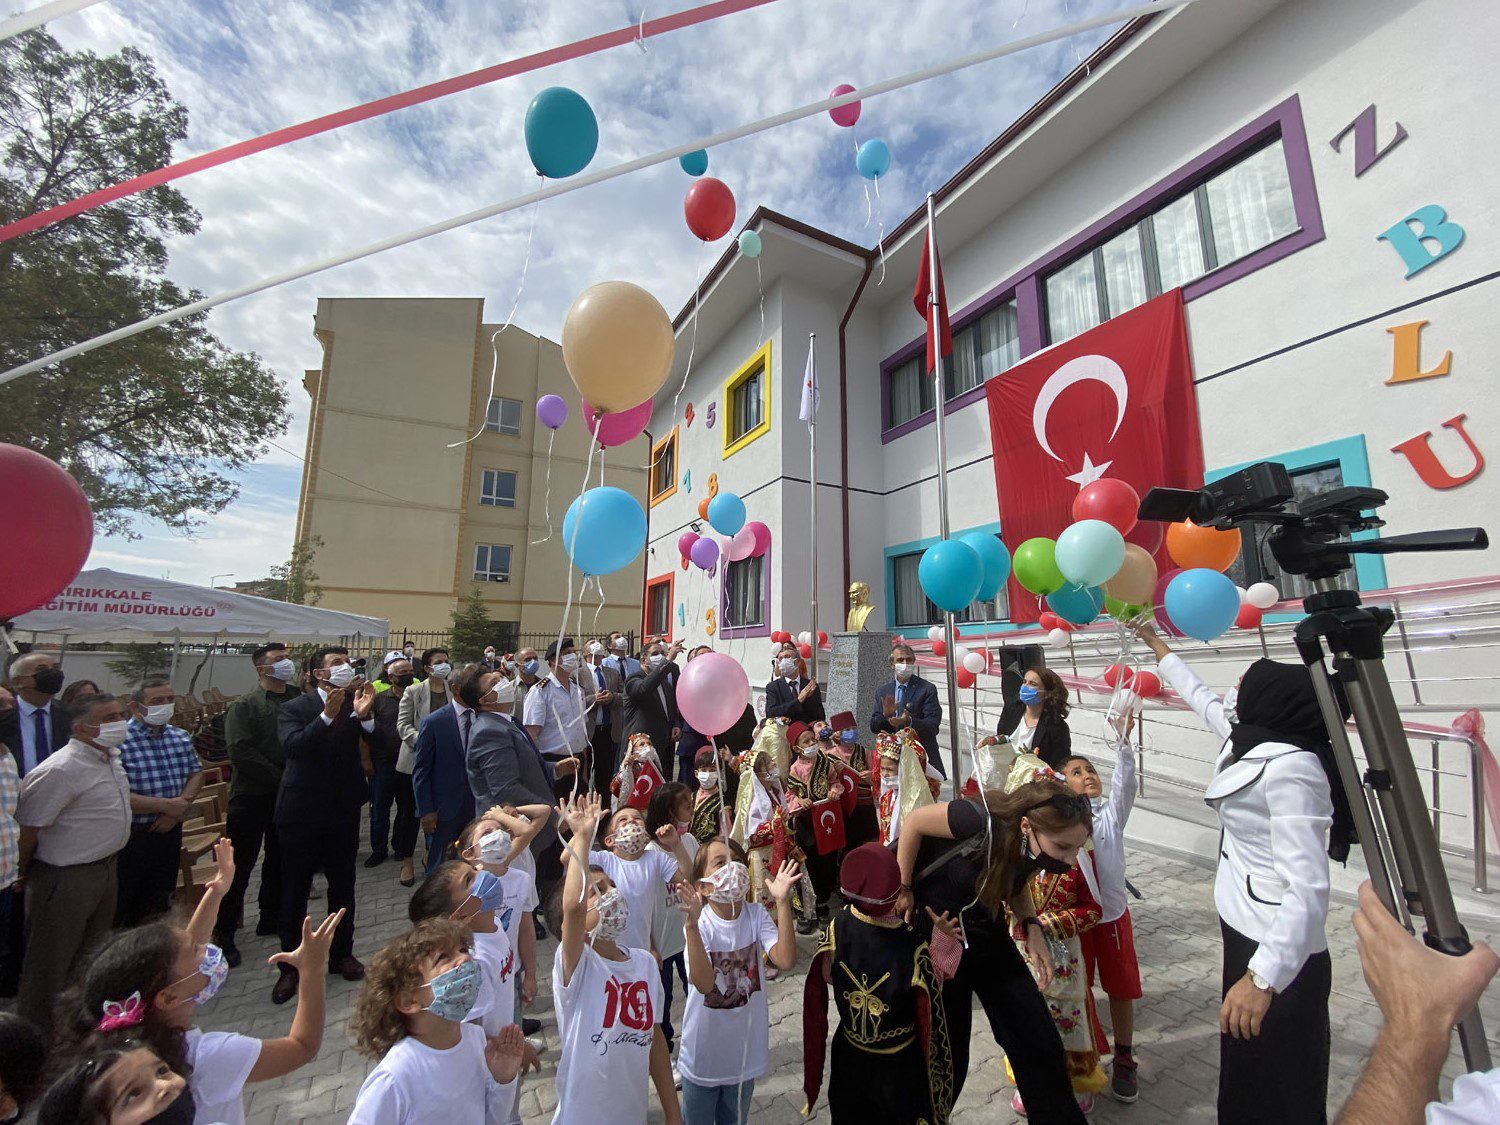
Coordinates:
[641,875]
[608,996]
[726,1035]
[144,985]
[418,992]
[499,842]
[127,1086]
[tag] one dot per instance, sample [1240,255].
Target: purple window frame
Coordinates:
[1025,286]
[729,632]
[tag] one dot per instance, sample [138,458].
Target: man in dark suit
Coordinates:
[791,695]
[910,701]
[37,726]
[651,699]
[318,806]
[606,711]
[438,777]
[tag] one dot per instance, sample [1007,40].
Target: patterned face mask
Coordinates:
[631,838]
[614,915]
[729,883]
[454,991]
[214,969]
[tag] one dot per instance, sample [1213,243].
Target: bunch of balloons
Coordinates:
[872,159]
[954,572]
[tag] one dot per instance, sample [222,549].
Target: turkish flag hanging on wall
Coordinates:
[1116,401]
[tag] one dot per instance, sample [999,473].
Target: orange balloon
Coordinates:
[1135,582]
[703,509]
[617,344]
[1192,546]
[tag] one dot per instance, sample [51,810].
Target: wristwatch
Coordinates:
[1260,982]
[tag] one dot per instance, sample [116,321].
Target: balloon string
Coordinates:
[640,33]
[495,347]
[588,468]
[880,239]
[547,499]
[693,345]
[1022,16]
[761,287]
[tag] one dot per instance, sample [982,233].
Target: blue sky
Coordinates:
[246,67]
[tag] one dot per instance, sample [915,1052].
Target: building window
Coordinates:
[1228,216]
[981,350]
[498,489]
[1256,564]
[492,562]
[658,621]
[664,467]
[503,416]
[744,593]
[913,608]
[747,402]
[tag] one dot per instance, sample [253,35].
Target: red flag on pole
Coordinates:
[938,328]
[646,783]
[828,826]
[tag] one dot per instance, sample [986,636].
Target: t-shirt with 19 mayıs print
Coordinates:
[607,1015]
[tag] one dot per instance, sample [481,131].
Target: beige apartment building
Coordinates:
[411,517]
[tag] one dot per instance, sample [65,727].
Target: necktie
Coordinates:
[41,739]
[468,726]
[899,692]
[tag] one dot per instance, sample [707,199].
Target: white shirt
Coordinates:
[221,1063]
[1476,1101]
[31,754]
[495,1006]
[667,935]
[558,711]
[79,802]
[607,1016]
[1272,880]
[726,1035]
[642,882]
[1021,738]
[1105,869]
[519,888]
[415,1083]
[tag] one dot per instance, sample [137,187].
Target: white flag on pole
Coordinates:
[810,393]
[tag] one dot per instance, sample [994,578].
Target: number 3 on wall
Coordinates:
[708,616]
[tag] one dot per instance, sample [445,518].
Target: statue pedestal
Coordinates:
[859,665]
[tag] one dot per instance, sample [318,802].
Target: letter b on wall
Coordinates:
[1433,227]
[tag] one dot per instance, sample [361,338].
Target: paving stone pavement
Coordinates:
[1176,1040]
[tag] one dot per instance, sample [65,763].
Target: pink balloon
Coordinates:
[742,546]
[762,535]
[685,543]
[616,429]
[712,693]
[845,115]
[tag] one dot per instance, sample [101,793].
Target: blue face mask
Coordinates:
[454,992]
[848,735]
[488,889]
[531,667]
[1029,694]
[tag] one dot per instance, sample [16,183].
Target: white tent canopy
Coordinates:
[103,606]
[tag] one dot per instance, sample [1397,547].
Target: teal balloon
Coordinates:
[1089,552]
[604,530]
[1202,603]
[694,163]
[749,244]
[951,573]
[726,513]
[1077,605]
[873,159]
[562,133]
[996,559]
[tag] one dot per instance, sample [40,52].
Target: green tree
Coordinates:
[140,662]
[473,629]
[154,425]
[295,580]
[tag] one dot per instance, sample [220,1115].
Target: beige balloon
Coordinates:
[617,344]
[1135,581]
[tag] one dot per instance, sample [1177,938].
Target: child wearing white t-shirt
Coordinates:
[499,842]
[608,997]
[726,1034]
[143,986]
[418,992]
[670,804]
[641,876]
[470,898]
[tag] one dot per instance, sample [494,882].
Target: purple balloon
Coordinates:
[705,553]
[552,411]
[685,543]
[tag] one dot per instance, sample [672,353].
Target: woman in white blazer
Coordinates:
[1276,791]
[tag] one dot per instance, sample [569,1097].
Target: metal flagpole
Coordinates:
[812,538]
[955,717]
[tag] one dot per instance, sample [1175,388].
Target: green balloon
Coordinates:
[1122,611]
[1035,566]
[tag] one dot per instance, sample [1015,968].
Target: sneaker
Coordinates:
[1016,1105]
[1085,1103]
[1122,1082]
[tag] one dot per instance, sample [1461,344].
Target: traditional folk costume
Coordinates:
[891,1057]
[818,819]
[708,815]
[912,788]
[862,825]
[760,822]
[639,776]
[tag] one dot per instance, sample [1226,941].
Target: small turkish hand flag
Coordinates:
[646,782]
[828,826]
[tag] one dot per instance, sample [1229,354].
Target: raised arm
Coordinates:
[1194,692]
[582,816]
[300,1045]
[302,738]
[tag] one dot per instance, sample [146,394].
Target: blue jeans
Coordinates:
[716,1105]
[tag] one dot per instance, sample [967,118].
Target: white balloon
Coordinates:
[804,638]
[1263,595]
[975,662]
[1244,594]
[935,633]
[960,654]
[1058,638]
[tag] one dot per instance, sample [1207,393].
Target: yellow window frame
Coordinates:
[760,361]
[656,450]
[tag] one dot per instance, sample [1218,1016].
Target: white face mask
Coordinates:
[788,667]
[658,659]
[284,670]
[570,662]
[596,649]
[494,846]
[619,644]
[614,915]
[708,779]
[1231,705]
[441,670]
[112,734]
[341,675]
[808,751]
[903,670]
[160,714]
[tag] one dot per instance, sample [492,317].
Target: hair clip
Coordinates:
[131,1013]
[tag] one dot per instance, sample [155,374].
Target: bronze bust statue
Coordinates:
[859,606]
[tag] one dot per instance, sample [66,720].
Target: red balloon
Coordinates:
[939,648]
[898,639]
[49,528]
[1115,674]
[1249,617]
[781,638]
[822,637]
[1147,684]
[1148,535]
[1163,622]
[709,208]
[963,678]
[805,651]
[1110,500]
[1048,620]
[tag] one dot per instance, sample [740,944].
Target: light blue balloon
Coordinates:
[873,158]
[996,559]
[604,530]
[694,163]
[726,513]
[562,133]
[1202,603]
[951,573]
[1089,552]
[1077,605]
[750,244]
